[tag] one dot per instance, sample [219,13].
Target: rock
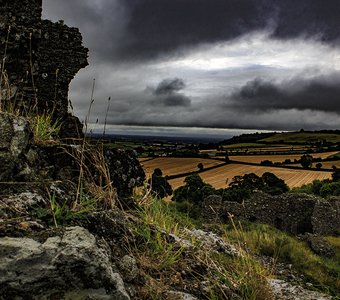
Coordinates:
[212,242]
[16,205]
[125,170]
[174,295]
[285,291]
[14,143]
[74,262]
[319,245]
[128,268]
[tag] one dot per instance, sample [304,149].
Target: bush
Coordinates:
[194,190]
[318,165]
[159,185]
[306,161]
[266,162]
[330,189]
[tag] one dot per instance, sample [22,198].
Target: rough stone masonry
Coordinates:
[39,59]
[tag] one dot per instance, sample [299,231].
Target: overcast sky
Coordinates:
[244,64]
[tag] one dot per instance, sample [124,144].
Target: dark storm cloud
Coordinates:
[167,93]
[164,25]
[321,94]
[145,29]
[169,86]
[310,18]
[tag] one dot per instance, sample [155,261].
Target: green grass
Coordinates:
[44,128]
[265,240]
[163,260]
[246,145]
[302,137]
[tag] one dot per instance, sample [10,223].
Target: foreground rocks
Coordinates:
[73,264]
[286,291]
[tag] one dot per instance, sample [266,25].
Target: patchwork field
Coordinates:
[174,166]
[329,164]
[277,158]
[222,176]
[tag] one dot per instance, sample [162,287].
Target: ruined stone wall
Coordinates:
[40,58]
[293,213]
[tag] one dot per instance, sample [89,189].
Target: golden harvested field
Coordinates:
[219,176]
[174,165]
[329,164]
[142,159]
[276,158]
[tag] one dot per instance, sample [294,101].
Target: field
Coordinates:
[222,176]
[276,158]
[329,164]
[302,137]
[174,166]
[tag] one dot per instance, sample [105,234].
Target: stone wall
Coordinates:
[294,213]
[40,58]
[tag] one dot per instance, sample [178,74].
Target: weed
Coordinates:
[45,129]
[61,211]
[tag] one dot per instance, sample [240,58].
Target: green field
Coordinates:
[302,137]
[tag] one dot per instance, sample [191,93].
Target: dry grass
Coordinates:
[173,165]
[220,177]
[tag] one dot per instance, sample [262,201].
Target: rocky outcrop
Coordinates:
[294,213]
[14,140]
[22,161]
[74,265]
[40,60]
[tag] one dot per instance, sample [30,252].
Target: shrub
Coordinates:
[330,189]
[306,161]
[266,162]
[318,165]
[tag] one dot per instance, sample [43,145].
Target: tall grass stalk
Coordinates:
[107,112]
[3,66]
[82,154]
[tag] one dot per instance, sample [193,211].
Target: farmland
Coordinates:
[174,166]
[302,137]
[222,176]
[277,158]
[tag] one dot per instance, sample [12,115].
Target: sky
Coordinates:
[203,65]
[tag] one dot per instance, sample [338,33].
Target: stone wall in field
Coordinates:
[39,59]
[293,213]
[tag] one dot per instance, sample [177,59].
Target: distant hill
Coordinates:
[247,138]
[301,137]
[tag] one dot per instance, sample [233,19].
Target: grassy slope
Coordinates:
[244,275]
[302,137]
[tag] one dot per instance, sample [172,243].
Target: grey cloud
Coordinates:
[169,86]
[146,29]
[309,18]
[167,93]
[321,94]
[174,100]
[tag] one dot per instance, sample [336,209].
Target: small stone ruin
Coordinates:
[39,59]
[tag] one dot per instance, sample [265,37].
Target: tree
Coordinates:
[318,165]
[306,161]
[274,185]
[159,184]
[195,190]
[249,182]
[336,175]
[200,166]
